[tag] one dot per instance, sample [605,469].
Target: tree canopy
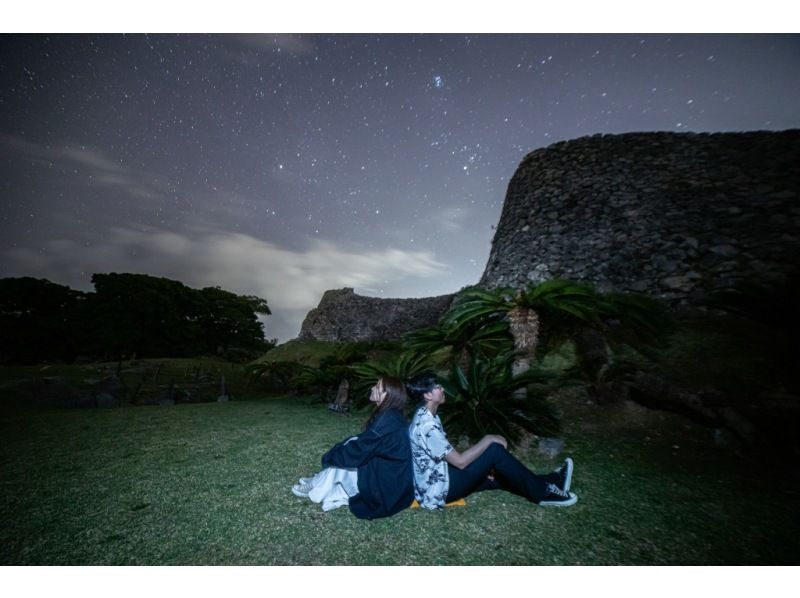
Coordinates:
[127,314]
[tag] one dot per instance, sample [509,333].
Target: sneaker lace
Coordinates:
[553,489]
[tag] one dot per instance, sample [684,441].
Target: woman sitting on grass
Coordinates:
[372,471]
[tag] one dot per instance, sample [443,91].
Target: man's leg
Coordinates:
[473,478]
[509,474]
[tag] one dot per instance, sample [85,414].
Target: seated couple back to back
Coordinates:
[378,472]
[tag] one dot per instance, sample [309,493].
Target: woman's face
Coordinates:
[377,393]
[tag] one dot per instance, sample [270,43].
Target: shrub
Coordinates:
[483,400]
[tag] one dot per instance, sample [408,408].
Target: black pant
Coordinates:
[509,474]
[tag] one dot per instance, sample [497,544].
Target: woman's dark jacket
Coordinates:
[382,454]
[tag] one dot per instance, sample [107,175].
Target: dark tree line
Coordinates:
[127,315]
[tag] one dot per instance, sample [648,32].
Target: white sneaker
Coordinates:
[302,489]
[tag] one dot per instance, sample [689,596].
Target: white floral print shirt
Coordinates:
[429,446]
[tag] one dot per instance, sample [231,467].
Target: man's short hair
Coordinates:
[420,384]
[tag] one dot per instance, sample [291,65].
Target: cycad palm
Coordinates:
[459,344]
[333,372]
[483,399]
[555,302]
[561,304]
[403,365]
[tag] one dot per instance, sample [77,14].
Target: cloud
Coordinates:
[451,219]
[292,282]
[93,160]
[245,47]
[104,171]
[285,42]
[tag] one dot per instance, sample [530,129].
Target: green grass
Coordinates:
[305,352]
[210,484]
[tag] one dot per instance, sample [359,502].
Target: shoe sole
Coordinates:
[560,503]
[568,479]
[299,493]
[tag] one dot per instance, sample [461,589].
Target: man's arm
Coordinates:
[461,460]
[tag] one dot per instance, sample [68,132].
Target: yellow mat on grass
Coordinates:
[456,503]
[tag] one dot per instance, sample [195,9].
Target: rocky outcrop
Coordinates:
[344,316]
[670,215]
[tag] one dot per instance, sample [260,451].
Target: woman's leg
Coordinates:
[333,481]
[329,486]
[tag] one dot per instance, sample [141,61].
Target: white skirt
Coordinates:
[332,487]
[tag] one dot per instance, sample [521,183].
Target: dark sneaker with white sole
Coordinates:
[556,497]
[562,477]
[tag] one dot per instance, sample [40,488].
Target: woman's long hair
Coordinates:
[396,398]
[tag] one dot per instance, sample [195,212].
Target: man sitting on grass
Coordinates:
[442,474]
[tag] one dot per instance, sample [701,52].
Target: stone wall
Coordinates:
[671,215]
[344,316]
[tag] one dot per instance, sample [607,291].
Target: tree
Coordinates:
[150,316]
[403,365]
[127,314]
[459,344]
[280,376]
[333,372]
[543,316]
[562,304]
[229,320]
[39,320]
[145,315]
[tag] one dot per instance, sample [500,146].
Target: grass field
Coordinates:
[210,484]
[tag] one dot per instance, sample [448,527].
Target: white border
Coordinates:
[394,16]
[499,582]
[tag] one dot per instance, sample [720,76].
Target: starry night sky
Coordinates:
[282,166]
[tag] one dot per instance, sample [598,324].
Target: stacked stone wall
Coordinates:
[342,315]
[671,215]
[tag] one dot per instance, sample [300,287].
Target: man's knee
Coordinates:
[496,449]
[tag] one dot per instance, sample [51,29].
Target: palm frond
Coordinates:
[275,375]
[477,338]
[403,366]
[481,399]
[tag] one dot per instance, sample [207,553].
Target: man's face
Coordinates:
[436,395]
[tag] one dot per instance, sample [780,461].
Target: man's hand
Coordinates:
[498,439]
[461,460]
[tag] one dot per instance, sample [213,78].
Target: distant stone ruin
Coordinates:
[342,315]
